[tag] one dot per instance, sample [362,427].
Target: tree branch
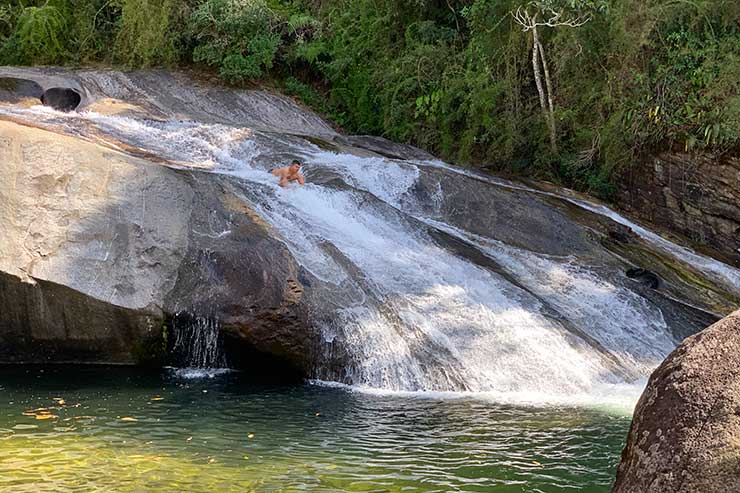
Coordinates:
[529,21]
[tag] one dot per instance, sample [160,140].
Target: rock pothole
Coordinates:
[644,277]
[61,98]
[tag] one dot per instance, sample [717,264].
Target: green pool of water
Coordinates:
[119,430]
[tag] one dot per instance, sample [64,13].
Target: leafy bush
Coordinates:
[693,92]
[148,31]
[239,37]
[39,35]
[305,93]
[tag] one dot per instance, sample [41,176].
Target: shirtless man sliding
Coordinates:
[289,173]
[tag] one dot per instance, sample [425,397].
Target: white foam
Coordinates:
[198,373]
[618,399]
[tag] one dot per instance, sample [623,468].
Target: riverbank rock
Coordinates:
[694,194]
[685,434]
[15,90]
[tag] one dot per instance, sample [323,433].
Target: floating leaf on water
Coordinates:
[128,418]
[536,463]
[157,398]
[250,436]
[211,461]
[318,414]
[59,400]
[46,416]
[246,457]
[188,439]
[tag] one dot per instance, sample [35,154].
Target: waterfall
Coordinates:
[196,347]
[422,295]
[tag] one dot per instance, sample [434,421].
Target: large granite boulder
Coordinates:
[99,250]
[685,434]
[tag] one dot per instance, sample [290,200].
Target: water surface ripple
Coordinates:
[228,434]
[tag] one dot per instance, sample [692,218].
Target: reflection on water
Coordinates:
[114,429]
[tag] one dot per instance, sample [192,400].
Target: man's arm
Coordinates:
[301,180]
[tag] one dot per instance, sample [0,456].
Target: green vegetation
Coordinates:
[611,80]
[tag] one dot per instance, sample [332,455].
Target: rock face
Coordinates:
[99,248]
[14,90]
[685,435]
[697,195]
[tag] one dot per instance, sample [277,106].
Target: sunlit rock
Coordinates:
[685,435]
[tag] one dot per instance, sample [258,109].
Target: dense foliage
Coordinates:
[456,77]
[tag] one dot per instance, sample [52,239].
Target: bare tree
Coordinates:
[530,17]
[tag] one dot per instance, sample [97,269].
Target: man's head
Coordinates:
[295,166]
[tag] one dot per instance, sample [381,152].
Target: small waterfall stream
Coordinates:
[197,342]
[197,346]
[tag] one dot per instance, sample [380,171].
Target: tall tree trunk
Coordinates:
[548,84]
[536,46]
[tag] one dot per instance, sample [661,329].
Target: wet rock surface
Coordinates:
[685,434]
[383,147]
[164,95]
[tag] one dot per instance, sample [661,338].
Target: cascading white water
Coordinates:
[720,272]
[419,316]
[197,343]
